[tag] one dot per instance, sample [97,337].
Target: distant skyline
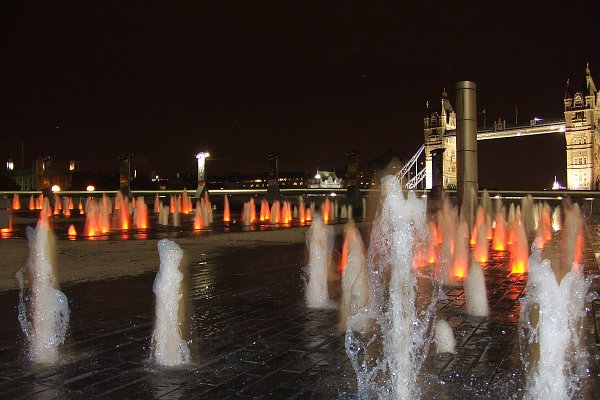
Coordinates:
[310,80]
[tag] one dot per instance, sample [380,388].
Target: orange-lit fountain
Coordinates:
[275,213]
[72,232]
[519,252]
[198,216]
[480,251]
[226,211]
[265,214]
[141,214]
[16,203]
[252,210]
[499,237]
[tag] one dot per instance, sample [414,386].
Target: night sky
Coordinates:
[311,80]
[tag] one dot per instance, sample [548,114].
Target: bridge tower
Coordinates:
[440,133]
[582,134]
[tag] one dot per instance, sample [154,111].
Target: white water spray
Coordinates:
[476,292]
[388,358]
[355,287]
[168,347]
[43,308]
[319,240]
[444,337]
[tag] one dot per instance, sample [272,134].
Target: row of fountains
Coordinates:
[104,214]
[389,289]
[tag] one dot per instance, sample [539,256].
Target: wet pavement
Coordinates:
[253,337]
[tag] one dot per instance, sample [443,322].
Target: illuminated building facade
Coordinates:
[437,129]
[582,123]
[325,180]
[581,127]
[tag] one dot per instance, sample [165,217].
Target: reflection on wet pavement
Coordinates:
[253,337]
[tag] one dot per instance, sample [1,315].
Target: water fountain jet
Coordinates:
[43,308]
[319,240]
[168,347]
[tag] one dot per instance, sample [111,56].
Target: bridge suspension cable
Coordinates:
[400,175]
[415,180]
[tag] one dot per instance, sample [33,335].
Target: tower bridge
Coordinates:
[580,126]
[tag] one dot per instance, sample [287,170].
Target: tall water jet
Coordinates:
[43,308]
[163,216]
[206,209]
[343,213]
[186,202]
[66,210]
[275,213]
[476,292]
[355,286]
[167,347]
[486,203]
[121,214]
[460,258]
[326,210]
[31,203]
[319,240]
[141,214]
[226,211]
[480,219]
[106,204]
[308,215]
[172,204]
[527,214]
[16,203]
[198,216]
[265,215]
[519,253]
[546,221]
[572,240]
[556,223]
[91,221]
[252,207]
[175,218]
[286,212]
[499,238]
[551,314]
[57,205]
[388,358]
[156,207]
[245,216]
[480,251]
[511,214]
[447,218]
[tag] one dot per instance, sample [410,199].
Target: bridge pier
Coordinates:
[466,148]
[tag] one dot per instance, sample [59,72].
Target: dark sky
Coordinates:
[311,80]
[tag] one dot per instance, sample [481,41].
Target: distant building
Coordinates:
[582,123]
[44,173]
[581,128]
[325,180]
[287,180]
[435,128]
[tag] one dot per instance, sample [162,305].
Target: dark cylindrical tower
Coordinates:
[466,147]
